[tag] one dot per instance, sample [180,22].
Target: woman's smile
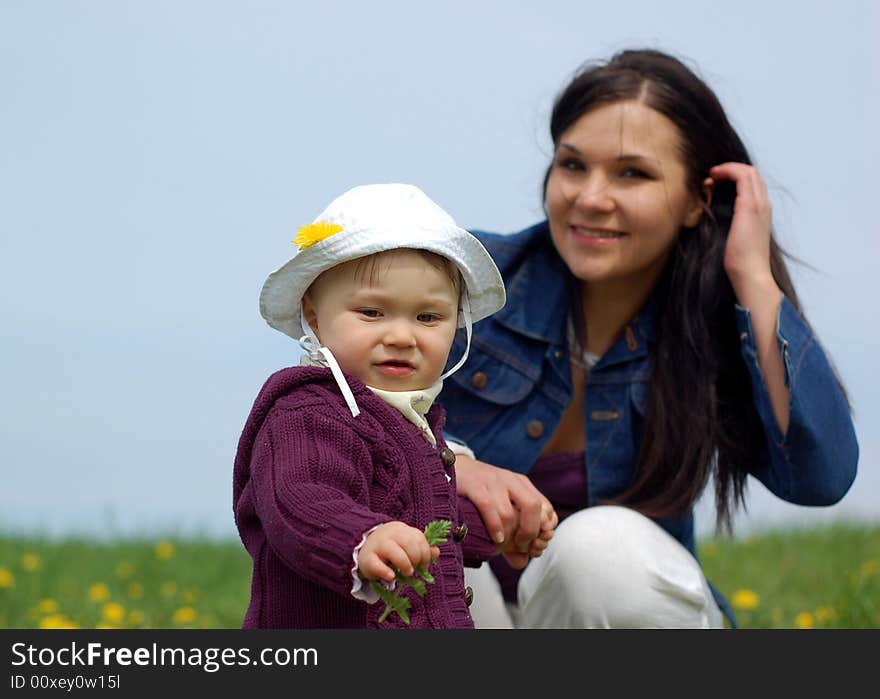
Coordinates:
[595,237]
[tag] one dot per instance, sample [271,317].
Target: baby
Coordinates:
[342,462]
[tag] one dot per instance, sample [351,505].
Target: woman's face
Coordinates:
[617,196]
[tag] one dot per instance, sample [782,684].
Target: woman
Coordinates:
[652,339]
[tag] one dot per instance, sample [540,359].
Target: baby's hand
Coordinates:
[518,558]
[549,520]
[394,546]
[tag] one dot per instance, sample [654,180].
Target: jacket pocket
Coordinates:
[482,397]
[489,378]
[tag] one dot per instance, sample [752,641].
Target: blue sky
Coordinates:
[157,158]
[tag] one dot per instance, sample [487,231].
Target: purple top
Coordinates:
[562,478]
[310,479]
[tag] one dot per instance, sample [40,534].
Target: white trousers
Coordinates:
[606,567]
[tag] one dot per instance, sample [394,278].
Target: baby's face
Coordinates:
[389,322]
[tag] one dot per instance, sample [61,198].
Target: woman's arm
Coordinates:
[747,263]
[812,447]
[508,502]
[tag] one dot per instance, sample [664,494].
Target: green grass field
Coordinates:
[819,578]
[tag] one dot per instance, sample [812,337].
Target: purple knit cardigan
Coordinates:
[310,479]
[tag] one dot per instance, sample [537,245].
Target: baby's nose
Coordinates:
[399,334]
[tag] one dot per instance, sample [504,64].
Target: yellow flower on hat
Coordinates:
[315,233]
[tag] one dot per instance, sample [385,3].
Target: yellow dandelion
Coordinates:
[7,579]
[804,620]
[135,590]
[57,621]
[113,612]
[314,233]
[105,626]
[744,600]
[164,550]
[135,618]
[99,592]
[825,614]
[47,606]
[124,569]
[30,562]
[869,568]
[189,595]
[169,588]
[183,616]
[709,549]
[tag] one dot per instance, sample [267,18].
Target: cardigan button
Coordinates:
[448,456]
[479,380]
[468,595]
[535,429]
[460,532]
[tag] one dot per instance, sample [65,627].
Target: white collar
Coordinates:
[413,405]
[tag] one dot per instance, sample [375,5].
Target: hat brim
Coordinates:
[281,295]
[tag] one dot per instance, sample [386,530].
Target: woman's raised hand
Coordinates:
[747,263]
[747,255]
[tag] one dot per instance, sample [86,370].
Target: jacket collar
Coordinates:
[637,336]
[536,290]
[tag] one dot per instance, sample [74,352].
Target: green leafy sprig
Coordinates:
[436,533]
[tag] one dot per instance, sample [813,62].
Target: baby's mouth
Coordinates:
[395,367]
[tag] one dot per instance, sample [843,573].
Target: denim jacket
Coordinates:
[507,400]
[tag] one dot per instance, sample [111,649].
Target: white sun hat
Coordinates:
[370,219]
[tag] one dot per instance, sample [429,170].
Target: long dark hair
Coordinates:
[700,417]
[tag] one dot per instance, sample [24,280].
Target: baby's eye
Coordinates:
[427,317]
[369,312]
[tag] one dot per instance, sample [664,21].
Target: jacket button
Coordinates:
[535,429]
[447,456]
[468,595]
[479,380]
[604,415]
[460,532]
[631,339]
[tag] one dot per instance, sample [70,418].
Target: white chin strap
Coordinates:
[311,346]
[465,315]
[323,356]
